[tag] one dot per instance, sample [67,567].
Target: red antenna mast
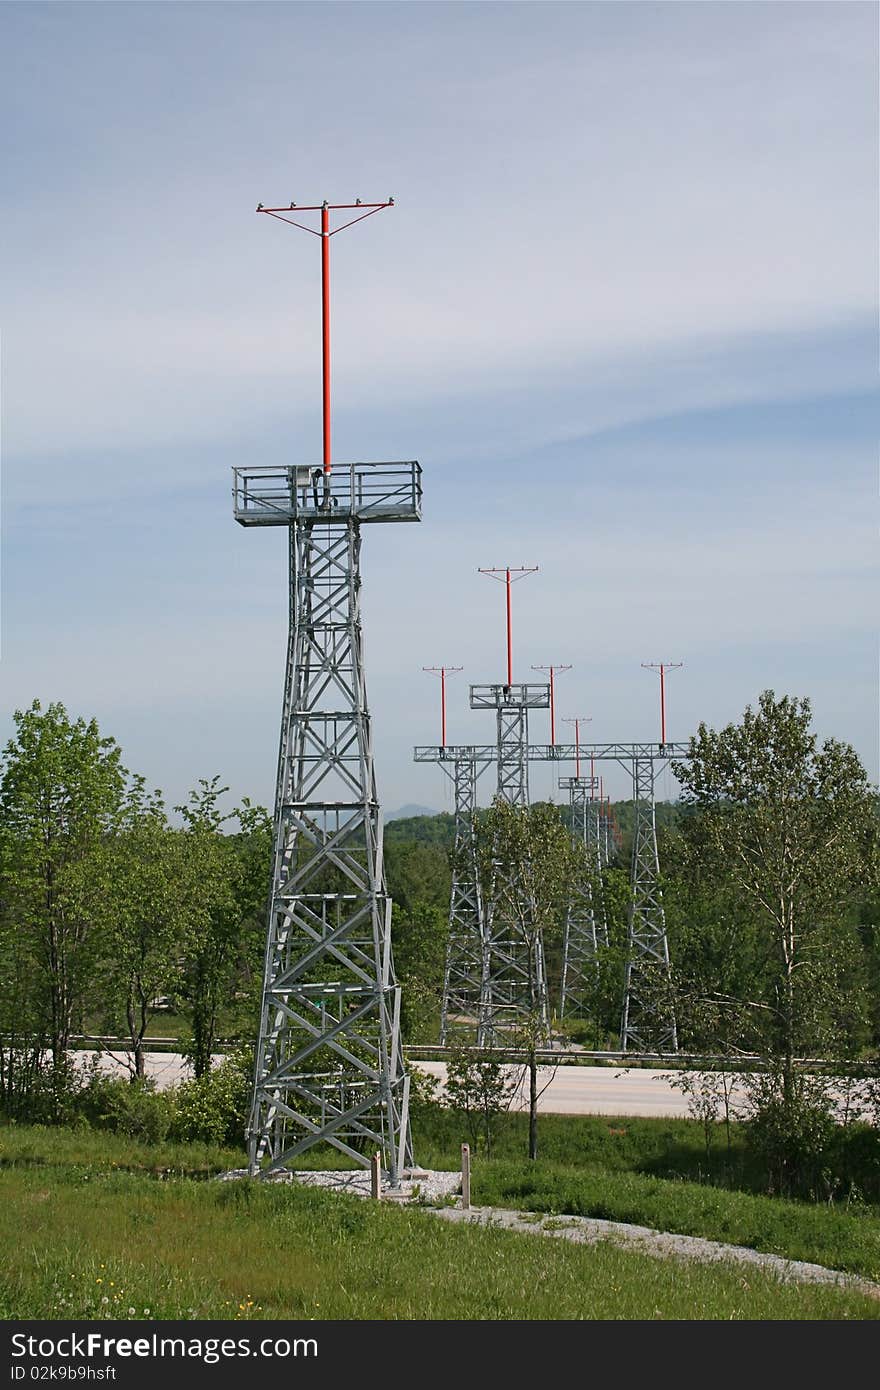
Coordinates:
[552,669]
[504,576]
[577,720]
[363,210]
[662,667]
[442,672]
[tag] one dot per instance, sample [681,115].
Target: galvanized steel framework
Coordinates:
[514,986]
[329,1065]
[648,1020]
[465,951]
[585,926]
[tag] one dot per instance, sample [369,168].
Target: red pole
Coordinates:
[283,215]
[325,331]
[505,576]
[553,670]
[662,667]
[577,721]
[509,636]
[442,672]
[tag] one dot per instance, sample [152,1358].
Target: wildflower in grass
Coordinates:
[131,1312]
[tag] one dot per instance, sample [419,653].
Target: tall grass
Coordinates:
[840,1239]
[92,1241]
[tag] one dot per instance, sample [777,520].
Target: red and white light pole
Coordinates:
[577,720]
[505,576]
[442,672]
[363,210]
[553,670]
[662,667]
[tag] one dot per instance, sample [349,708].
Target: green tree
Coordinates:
[61,794]
[479,1085]
[526,860]
[418,936]
[146,916]
[778,834]
[227,877]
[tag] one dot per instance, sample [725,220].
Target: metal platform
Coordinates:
[356,492]
[513,696]
[550,752]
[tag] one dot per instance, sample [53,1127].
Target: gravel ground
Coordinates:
[417,1184]
[588,1231]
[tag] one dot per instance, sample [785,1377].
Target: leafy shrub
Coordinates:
[214,1108]
[792,1130]
[133,1108]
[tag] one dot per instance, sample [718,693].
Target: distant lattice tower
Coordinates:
[514,972]
[463,973]
[329,1067]
[648,1023]
[582,935]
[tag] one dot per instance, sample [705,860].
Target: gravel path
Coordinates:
[588,1230]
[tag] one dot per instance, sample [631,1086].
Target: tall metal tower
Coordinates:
[329,1066]
[465,949]
[582,936]
[463,971]
[514,971]
[648,1021]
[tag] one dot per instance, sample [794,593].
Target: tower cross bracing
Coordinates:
[648,1021]
[514,972]
[585,927]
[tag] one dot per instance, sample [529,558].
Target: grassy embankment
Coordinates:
[89,1230]
[657,1173]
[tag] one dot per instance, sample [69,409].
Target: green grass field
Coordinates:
[656,1173]
[96,1226]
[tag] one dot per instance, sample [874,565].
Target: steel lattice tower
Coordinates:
[646,1026]
[583,933]
[463,974]
[648,1023]
[329,1066]
[514,973]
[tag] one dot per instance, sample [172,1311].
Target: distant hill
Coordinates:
[409,811]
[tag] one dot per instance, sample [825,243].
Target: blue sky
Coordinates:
[624,312]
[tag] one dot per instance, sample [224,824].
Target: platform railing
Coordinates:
[274,496]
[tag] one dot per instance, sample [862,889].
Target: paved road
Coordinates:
[594,1090]
[571,1091]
